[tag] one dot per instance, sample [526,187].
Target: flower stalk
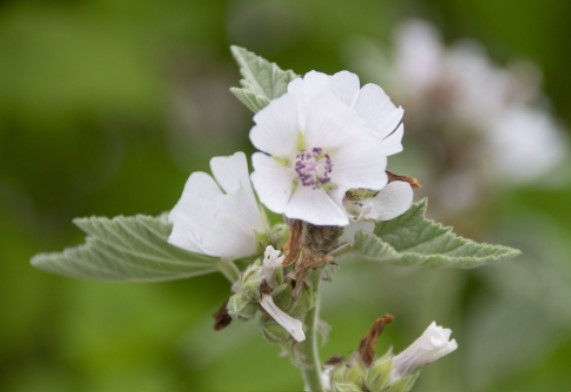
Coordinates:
[306,353]
[229,270]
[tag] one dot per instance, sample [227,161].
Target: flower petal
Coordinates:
[230,171]
[524,144]
[418,55]
[393,200]
[196,206]
[374,105]
[312,83]
[316,207]
[232,174]
[392,144]
[345,86]
[273,259]
[360,163]
[226,239]
[273,182]
[207,221]
[277,127]
[290,324]
[330,123]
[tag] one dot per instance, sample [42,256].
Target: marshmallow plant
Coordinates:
[323,143]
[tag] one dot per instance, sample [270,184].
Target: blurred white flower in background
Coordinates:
[479,127]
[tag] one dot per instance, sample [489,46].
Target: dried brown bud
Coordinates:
[221,318]
[411,180]
[334,360]
[368,345]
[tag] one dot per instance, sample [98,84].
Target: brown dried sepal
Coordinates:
[308,246]
[221,318]
[368,345]
[411,180]
[292,248]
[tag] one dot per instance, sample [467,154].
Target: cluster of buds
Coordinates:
[388,373]
[267,287]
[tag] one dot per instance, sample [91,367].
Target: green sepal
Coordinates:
[403,384]
[279,235]
[378,374]
[272,331]
[243,305]
[346,387]
[350,372]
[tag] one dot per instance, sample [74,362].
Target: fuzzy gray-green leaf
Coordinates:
[127,249]
[251,100]
[412,239]
[261,79]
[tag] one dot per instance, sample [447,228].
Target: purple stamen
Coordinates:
[313,168]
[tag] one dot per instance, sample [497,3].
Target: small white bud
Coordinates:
[432,345]
[290,324]
[273,259]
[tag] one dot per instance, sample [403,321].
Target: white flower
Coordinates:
[459,82]
[524,144]
[323,137]
[273,259]
[460,89]
[290,324]
[432,345]
[218,218]
[370,103]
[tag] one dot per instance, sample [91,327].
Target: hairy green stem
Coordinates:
[229,270]
[307,352]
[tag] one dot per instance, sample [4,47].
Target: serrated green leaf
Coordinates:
[261,80]
[412,239]
[251,100]
[128,249]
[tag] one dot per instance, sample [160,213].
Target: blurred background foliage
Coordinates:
[106,106]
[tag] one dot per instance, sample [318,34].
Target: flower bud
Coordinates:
[377,376]
[272,331]
[403,384]
[290,324]
[351,372]
[346,387]
[433,344]
[241,306]
[279,235]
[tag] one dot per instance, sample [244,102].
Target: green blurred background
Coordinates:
[106,106]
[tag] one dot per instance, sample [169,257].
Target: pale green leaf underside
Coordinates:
[261,80]
[126,249]
[412,239]
[251,100]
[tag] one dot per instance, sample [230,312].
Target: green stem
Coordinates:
[229,270]
[307,352]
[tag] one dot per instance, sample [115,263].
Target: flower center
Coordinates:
[313,167]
